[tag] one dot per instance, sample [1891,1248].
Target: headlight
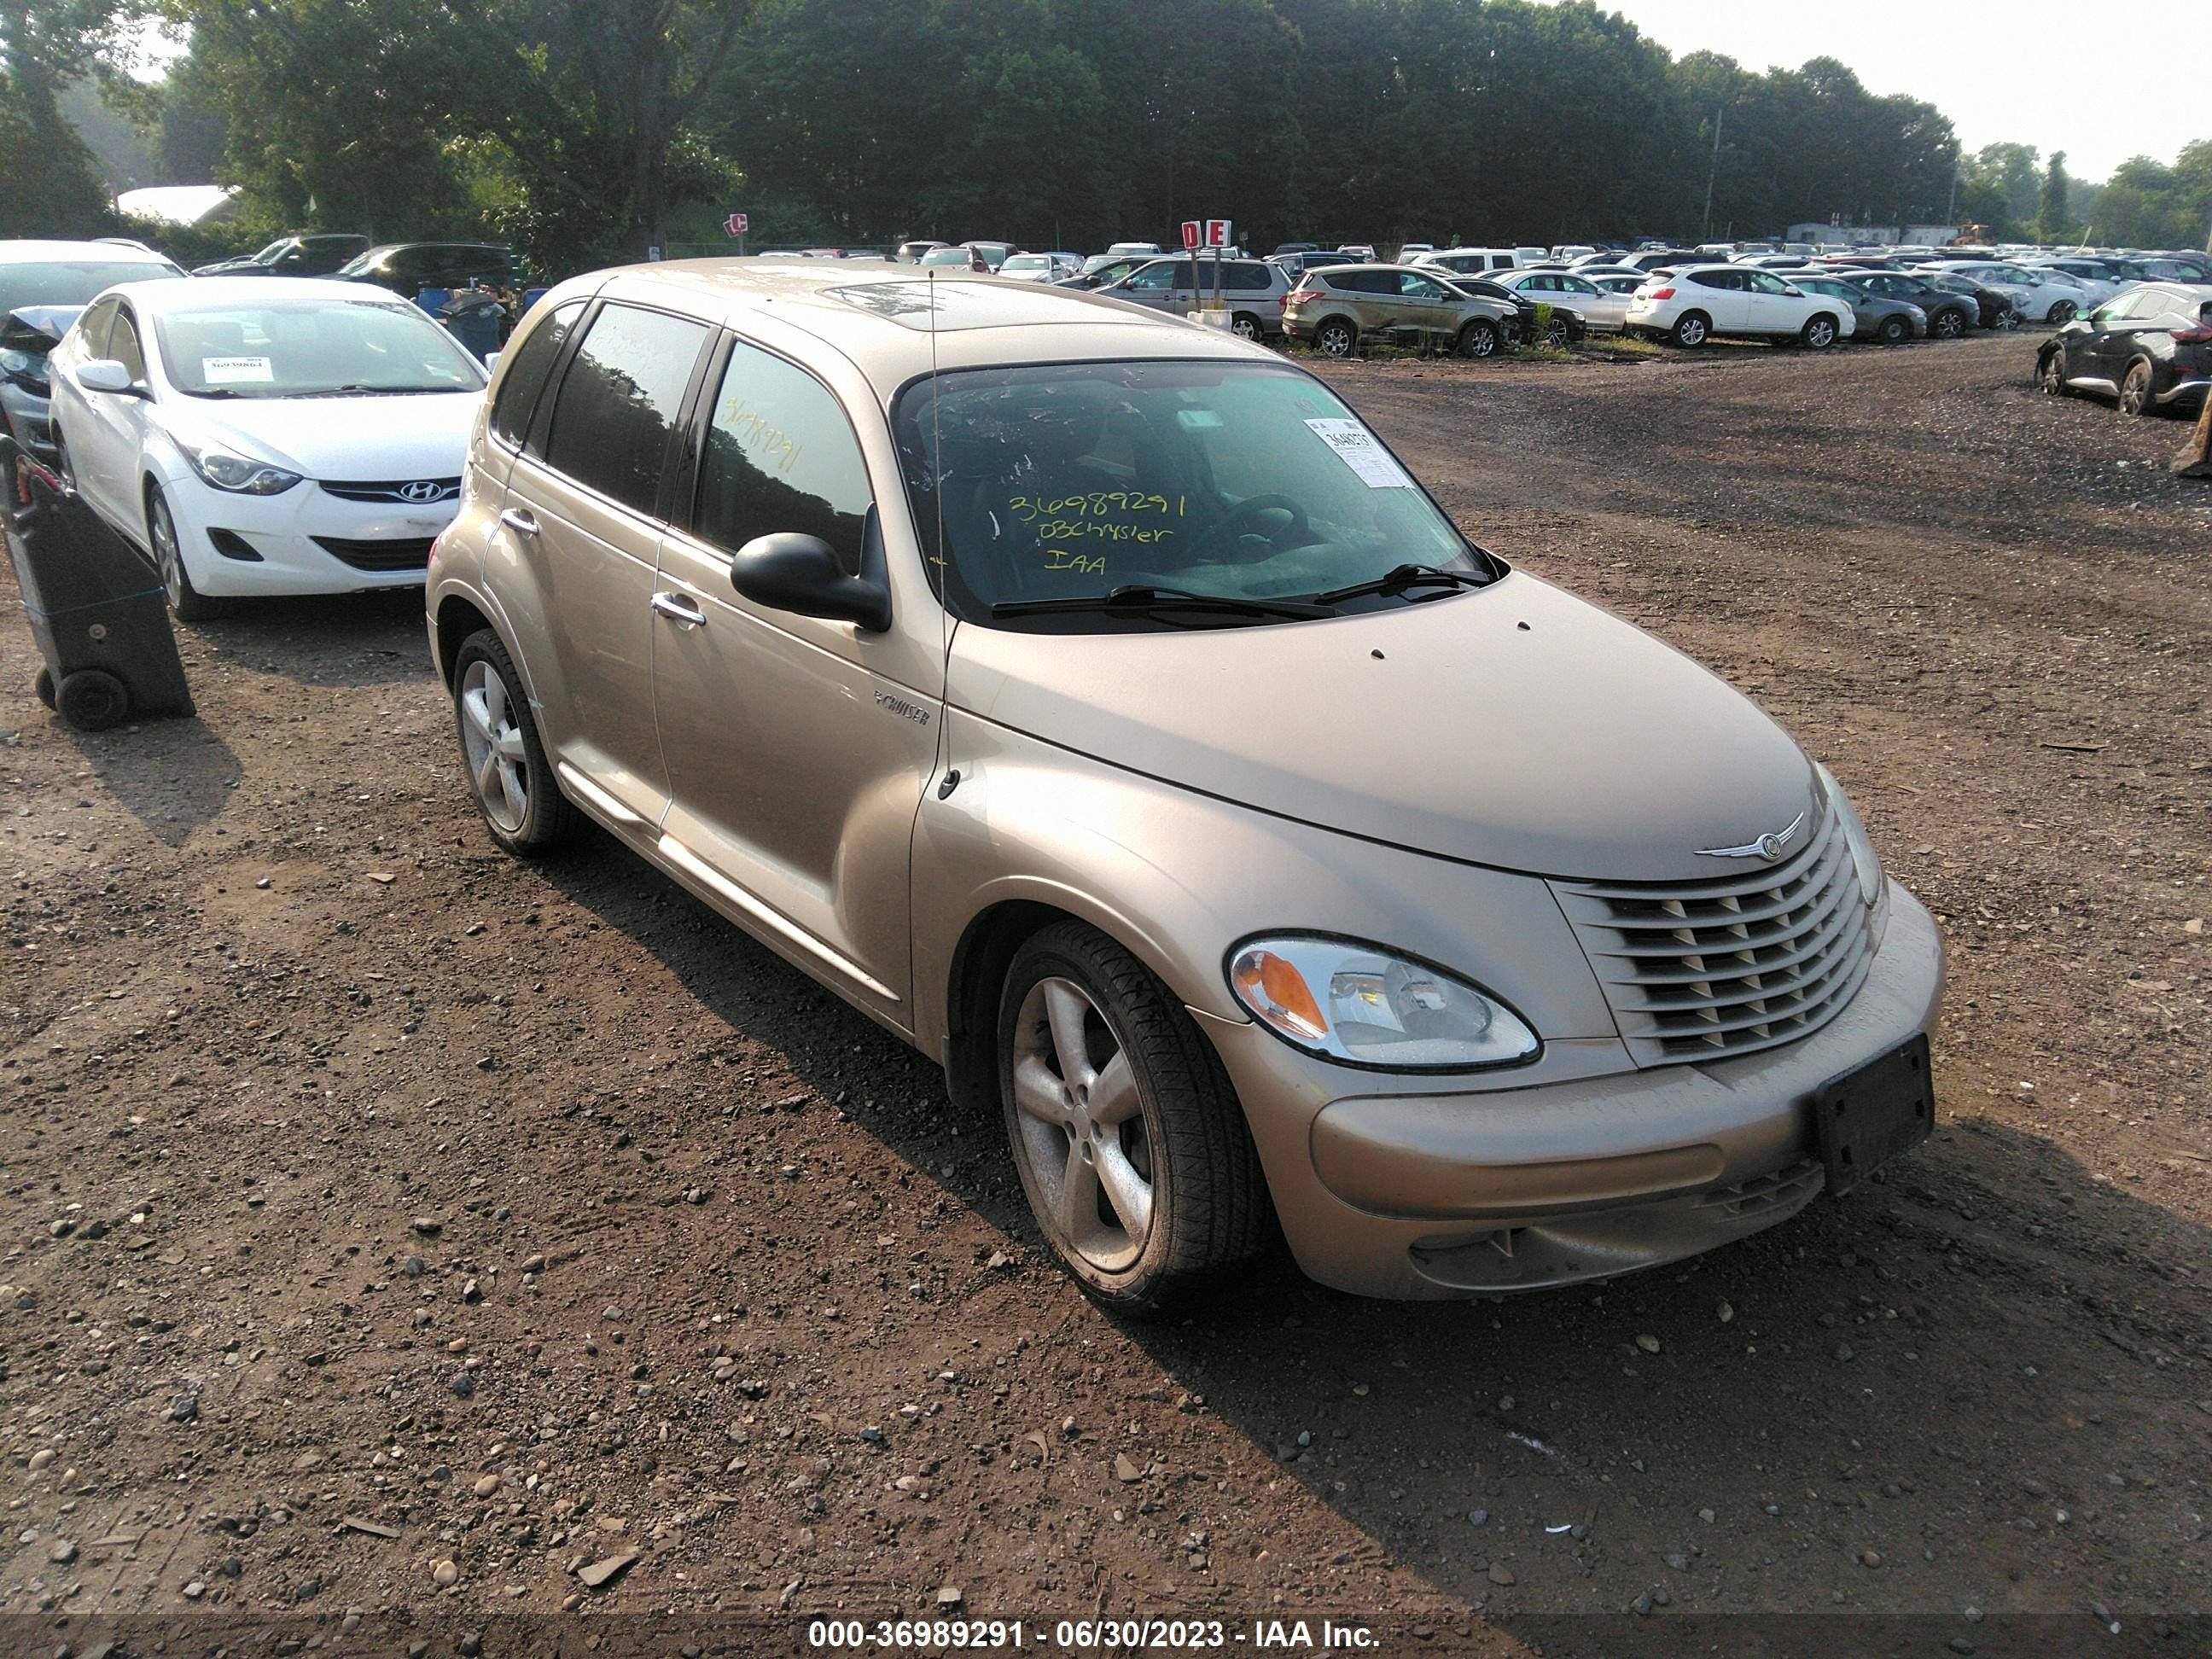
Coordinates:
[1872,890]
[236,473]
[1369,1006]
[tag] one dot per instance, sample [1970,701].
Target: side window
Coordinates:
[618,400]
[1246,274]
[95,324]
[781,456]
[1418,288]
[1716,279]
[1154,278]
[1763,282]
[533,361]
[123,345]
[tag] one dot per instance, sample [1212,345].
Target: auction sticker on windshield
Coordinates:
[1356,447]
[236,371]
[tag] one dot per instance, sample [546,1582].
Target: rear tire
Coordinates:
[2135,390]
[92,700]
[1335,338]
[1479,339]
[1692,329]
[516,791]
[1131,1150]
[1245,326]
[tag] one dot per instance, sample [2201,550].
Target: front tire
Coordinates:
[2062,310]
[515,789]
[1947,325]
[1819,333]
[1894,331]
[189,604]
[1692,329]
[2050,373]
[1335,338]
[1129,1140]
[2135,390]
[1558,334]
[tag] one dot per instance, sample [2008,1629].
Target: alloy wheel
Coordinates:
[1080,1129]
[168,559]
[492,742]
[1334,340]
[2135,390]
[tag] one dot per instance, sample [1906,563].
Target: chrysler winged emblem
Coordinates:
[1770,846]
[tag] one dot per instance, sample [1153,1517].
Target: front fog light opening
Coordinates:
[1362,1005]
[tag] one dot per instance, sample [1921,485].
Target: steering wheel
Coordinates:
[1250,508]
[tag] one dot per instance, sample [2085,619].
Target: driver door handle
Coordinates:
[679,607]
[520,522]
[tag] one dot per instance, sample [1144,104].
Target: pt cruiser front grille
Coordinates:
[1703,969]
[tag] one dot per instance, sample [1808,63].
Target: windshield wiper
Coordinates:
[1133,597]
[375,391]
[1405,576]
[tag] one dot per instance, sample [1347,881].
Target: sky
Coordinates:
[2001,72]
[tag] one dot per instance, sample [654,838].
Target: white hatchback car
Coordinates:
[265,436]
[1691,304]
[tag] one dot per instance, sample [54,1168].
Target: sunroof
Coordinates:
[943,306]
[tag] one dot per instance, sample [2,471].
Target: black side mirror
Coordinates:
[795,572]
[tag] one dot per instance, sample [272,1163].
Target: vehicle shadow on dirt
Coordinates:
[1812,1418]
[343,638]
[173,776]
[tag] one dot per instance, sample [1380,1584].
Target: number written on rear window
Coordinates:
[618,400]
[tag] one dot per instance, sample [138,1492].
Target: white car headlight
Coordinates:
[1364,1005]
[238,474]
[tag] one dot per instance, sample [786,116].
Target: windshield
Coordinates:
[72,282]
[946,256]
[1234,480]
[1027,262]
[311,347]
[268,255]
[362,262]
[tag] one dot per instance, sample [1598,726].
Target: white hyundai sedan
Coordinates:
[264,435]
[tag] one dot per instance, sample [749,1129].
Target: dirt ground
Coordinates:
[373,1202]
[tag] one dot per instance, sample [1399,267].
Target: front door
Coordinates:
[573,560]
[109,465]
[798,748]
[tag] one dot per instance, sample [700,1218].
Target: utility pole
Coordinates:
[1719,114]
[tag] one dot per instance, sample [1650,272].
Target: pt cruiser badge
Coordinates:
[1768,847]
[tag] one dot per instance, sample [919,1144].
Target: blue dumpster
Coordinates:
[433,299]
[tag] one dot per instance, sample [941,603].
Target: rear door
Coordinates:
[574,560]
[1722,295]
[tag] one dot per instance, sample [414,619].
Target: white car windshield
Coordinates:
[71,281]
[1027,262]
[1233,482]
[310,349]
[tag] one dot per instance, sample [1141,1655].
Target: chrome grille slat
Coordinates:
[1701,970]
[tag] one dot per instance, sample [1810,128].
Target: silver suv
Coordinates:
[1251,290]
[1099,705]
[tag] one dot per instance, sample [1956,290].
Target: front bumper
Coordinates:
[1439,1194]
[25,414]
[303,541]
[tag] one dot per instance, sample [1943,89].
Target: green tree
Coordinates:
[48,184]
[2051,211]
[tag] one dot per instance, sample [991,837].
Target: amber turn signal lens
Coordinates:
[1274,983]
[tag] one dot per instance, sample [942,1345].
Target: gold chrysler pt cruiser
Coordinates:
[1094,701]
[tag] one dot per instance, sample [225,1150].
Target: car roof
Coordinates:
[473,247]
[212,293]
[36,252]
[876,315]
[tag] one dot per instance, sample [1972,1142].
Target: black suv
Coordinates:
[2149,347]
[408,267]
[315,255]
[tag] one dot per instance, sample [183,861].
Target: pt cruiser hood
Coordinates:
[1515,726]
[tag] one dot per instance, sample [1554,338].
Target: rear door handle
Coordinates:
[521,523]
[678,607]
